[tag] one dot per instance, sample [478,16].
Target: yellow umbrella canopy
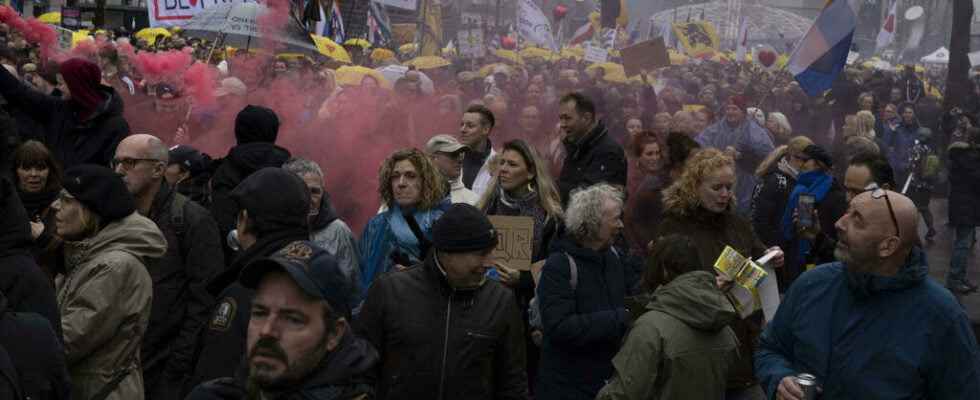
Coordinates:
[490,68]
[353,75]
[407,48]
[79,36]
[150,34]
[428,62]
[331,49]
[508,55]
[676,58]
[612,72]
[50,18]
[537,52]
[380,55]
[358,42]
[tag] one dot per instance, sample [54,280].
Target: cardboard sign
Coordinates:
[64,37]
[516,239]
[645,56]
[596,55]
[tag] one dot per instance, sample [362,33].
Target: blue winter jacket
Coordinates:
[901,337]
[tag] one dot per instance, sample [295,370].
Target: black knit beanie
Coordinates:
[101,190]
[463,228]
[256,124]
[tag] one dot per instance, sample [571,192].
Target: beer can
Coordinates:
[808,383]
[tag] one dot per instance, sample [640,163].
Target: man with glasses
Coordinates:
[447,155]
[181,303]
[872,325]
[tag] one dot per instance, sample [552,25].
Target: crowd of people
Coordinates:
[318,237]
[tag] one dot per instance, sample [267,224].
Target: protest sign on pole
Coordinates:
[645,56]
[534,26]
[167,13]
[596,54]
[515,239]
[470,43]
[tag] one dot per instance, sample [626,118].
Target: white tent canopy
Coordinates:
[940,56]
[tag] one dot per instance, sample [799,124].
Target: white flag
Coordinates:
[887,33]
[534,26]
[742,44]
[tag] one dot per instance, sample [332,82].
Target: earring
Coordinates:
[530,188]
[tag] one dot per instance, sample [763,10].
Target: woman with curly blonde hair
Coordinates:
[700,205]
[415,196]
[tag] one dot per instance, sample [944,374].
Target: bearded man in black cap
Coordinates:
[443,330]
[300,345]
[274,206]
[256,129]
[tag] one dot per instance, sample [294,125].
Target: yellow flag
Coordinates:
[432,39]
[699,38]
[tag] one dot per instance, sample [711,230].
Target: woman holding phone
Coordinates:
[815,204]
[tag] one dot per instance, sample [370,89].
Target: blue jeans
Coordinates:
[961,253]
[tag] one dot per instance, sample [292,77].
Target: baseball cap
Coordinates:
[444,144]
[231,85]
[313,269]
[190,158]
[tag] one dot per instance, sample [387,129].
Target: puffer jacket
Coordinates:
[104,299]
[681,348]
[712,232]
[440,343]
[583,326]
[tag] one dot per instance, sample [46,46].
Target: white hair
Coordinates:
[302,166]
[756,113]
[782,121]
[584,214]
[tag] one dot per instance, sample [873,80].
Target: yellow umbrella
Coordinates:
[428,62]
[358,42]
[676,58]
[53,18]
[509,55]
[150,34]
[488,69]
[331,49]
[353,75]
[782,61]
[381,55]
[79,36]
[407,48]
[575,53]
[537,52]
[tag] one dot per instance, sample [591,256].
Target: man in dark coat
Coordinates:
[181,303]
[592,156]
[318,358]
[443,330]
[275,206]
[85,128]
[27,288]
[35,353]
[256,129]
[964,195]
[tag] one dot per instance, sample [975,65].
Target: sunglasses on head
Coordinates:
[877,193]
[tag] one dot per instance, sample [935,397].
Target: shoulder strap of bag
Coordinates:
[424,244]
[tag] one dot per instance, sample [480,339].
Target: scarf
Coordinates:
[37,203]
[326,215]
[405,240]
[816,183]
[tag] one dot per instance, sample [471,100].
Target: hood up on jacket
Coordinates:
[325,216]
[135,234]
[694,299]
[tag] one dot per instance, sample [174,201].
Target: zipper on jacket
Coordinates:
[445,347]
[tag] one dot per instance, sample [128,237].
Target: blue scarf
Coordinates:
[389,232]
[816,183]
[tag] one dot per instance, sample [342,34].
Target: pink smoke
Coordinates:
[167,66]
[273,21]
[34,31]
[199,81]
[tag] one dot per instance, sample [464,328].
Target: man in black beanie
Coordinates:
[256,129]
[275,207]
[443,330]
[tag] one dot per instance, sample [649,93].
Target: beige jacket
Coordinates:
[104,299]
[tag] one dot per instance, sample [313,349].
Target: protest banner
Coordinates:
[516,237]
[596,54]
[645,56]
[166,13]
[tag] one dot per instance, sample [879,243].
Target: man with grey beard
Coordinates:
[300,345]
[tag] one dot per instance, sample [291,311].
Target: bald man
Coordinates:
[181,304]
[872,325]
